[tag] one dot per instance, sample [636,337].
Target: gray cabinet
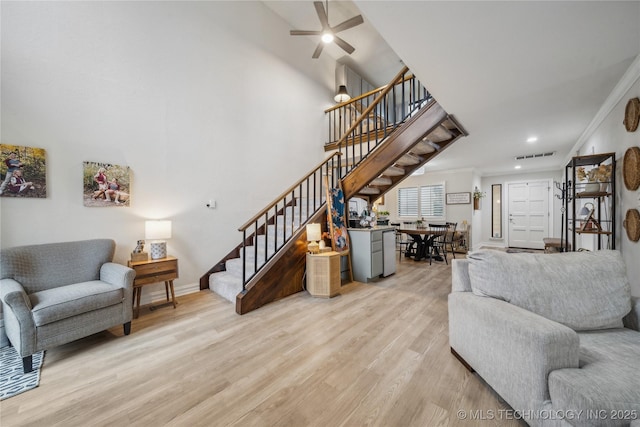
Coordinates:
[366,253]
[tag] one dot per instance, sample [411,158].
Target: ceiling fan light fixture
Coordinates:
[327,37]
[342,95]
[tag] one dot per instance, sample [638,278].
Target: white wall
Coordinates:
[611,136]
[202,100]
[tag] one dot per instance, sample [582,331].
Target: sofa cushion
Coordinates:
[59,303]
[581,290]
[607,384]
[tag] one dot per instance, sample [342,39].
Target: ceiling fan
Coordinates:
[328,32]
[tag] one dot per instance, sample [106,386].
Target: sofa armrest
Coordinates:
[512,349]
[14,296]
[117,275]
[632,320]
[18,320]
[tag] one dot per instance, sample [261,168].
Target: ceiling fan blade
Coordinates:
[322,14]
[349,23]
[304,33]
[344,45]
[318,51]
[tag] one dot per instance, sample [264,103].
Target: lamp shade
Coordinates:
[342,95]
[313,232]
[157,230]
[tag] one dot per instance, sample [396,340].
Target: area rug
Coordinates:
[12,380]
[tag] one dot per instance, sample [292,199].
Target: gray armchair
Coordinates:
[56,293]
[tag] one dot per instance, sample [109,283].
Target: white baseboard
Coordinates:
[156,293]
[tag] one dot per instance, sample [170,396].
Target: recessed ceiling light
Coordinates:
[532,139]
[517,167]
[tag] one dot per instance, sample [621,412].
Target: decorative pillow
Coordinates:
[582,290]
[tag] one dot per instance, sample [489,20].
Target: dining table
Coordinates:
[423,236]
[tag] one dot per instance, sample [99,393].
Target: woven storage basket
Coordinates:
[631,168]
[632,224]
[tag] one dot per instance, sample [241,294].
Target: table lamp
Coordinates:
[313,235]
[156,232]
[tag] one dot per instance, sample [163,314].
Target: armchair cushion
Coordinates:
[581,290]
[59,303]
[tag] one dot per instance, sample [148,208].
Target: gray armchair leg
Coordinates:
[27,364]
[127,328]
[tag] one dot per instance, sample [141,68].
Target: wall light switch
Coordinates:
[211,204]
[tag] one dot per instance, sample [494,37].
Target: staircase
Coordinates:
[228,283]
[377,140]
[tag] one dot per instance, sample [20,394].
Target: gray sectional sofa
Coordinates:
[59,292]
[555,335]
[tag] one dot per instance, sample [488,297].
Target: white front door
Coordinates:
[528,214]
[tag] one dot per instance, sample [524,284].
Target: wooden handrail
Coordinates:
[373,105]
[285,193]
[367,94]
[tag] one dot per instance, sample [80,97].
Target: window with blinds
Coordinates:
[408,201]
[426,201]
[432,201]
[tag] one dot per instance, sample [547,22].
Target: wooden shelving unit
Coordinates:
[601,220]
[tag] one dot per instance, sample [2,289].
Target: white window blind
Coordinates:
[408,201]
[432,201]
[426,201]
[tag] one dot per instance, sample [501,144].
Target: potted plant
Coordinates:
[595,176]
[382,215]
[477,195]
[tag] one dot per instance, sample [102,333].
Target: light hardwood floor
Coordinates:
[377,355]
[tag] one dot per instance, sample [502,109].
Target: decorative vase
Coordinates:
[476,204]
[592,187]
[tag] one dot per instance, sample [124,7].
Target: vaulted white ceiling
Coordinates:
[506,70]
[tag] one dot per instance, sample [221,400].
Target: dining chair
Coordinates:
[451,238]
[410,246]
[436,243]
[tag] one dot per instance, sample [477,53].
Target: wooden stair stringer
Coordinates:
[283,274]
[456,134]
[399,142]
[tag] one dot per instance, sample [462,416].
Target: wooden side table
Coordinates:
[323,274]
[154,271]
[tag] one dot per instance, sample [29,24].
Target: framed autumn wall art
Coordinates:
[23,172]
[106,185]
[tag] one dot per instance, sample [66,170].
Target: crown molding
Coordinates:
[619,91]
